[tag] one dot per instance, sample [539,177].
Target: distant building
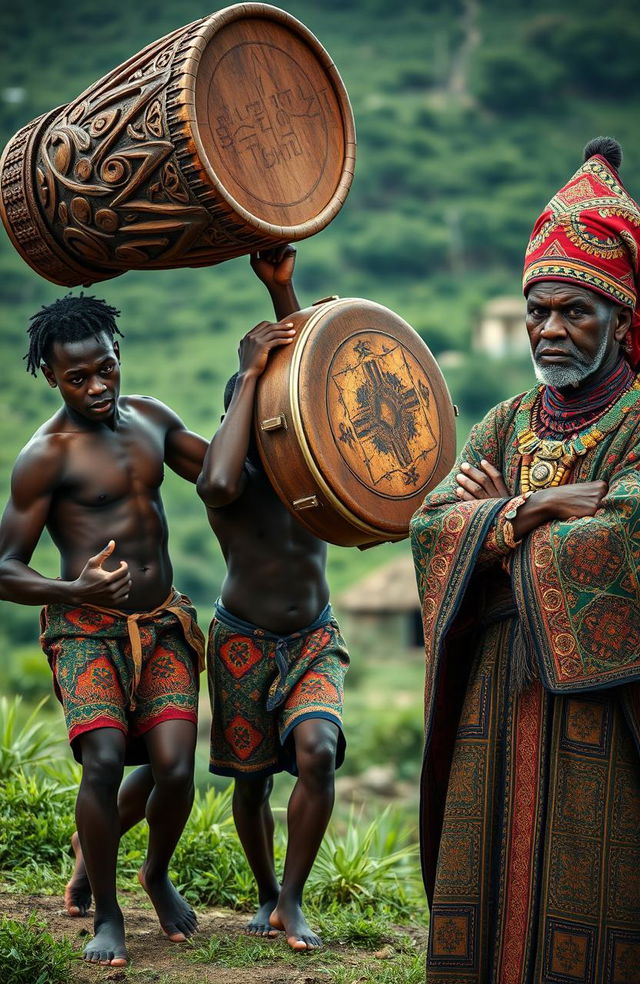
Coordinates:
[501,330]
[383,609]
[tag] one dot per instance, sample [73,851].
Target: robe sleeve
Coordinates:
[576,585]
[452,539]
[439,508]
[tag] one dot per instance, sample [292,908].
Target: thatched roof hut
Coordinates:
[383,608]
[388,590]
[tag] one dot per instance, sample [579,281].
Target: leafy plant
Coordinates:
[212,811]
[25,745]
[36,819]
[366,864]
[65,772]
[36,878]
[209,864]
[368,926]
[30,955]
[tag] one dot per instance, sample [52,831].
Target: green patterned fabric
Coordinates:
[129,671]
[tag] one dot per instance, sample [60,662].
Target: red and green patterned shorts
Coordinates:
[94,674]
[262,685]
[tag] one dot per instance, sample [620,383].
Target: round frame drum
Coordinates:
[354,422]
[229,135]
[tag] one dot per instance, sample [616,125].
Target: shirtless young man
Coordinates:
[276,660]
[92,474]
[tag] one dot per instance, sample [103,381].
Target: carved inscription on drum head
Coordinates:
[384,420]
[273,122]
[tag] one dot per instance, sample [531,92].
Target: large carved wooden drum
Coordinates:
[354,422]
[232,134]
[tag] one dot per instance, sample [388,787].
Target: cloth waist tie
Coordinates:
[277,693]
[172,603]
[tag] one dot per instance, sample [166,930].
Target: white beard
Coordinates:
[562,377]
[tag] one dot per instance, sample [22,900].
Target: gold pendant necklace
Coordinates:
[547,463]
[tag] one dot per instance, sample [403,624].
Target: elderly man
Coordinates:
[528,559]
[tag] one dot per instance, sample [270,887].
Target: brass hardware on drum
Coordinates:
[274,423]
[325,300]
[308,502]
[347,352]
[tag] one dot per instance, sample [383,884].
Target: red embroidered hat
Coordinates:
[589,234]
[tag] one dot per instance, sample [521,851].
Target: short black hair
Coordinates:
[70,319]
[230,385]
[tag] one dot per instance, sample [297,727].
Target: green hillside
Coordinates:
[469,115]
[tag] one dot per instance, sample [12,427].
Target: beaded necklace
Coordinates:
[548,462]
[560,413]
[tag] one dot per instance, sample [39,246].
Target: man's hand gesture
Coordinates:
[95,586]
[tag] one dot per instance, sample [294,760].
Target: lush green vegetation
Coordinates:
[30,955]
[361,864]
[469,115]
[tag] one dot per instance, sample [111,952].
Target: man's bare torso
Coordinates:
[108,487]
[275,568]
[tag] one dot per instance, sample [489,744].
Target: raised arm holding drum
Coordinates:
[276,659]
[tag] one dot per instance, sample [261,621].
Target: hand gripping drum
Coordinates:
[354,422]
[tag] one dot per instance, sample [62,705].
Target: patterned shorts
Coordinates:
[93,674]
[262,685]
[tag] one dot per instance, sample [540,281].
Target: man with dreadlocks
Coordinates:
[528,558]
[123,644]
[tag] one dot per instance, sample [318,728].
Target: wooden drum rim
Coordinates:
[298,426]
[197,154]
[320,427]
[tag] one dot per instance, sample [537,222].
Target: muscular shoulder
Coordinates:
[152,409]
[39,465]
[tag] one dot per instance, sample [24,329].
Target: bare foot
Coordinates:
[288,916]
[107,946]
[77,894]
[259,925]
[177,918]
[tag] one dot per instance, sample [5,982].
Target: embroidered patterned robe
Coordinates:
[530,798]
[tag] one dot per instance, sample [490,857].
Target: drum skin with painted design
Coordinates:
[354,422]
[232,134]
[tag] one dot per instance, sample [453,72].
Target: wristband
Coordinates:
[509,516]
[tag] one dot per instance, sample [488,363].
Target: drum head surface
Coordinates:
[375,411]
[271,119]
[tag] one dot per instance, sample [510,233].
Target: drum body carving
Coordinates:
[354,422]
[232,134]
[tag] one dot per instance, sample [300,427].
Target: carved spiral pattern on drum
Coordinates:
[109,182]
[123,177]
